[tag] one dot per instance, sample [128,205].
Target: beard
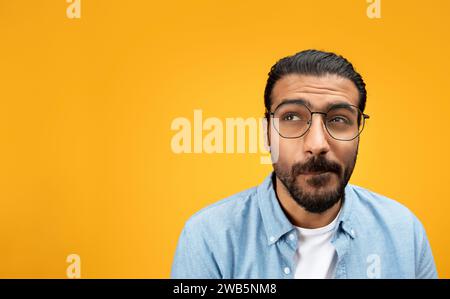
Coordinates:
[323,197]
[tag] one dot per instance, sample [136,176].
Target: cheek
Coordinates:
[289,151]
[288,148]
[346,152]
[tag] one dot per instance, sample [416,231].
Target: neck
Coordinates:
[298,215]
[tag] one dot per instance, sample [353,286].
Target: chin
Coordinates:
[328,187]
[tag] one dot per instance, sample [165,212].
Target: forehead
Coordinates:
[319,91]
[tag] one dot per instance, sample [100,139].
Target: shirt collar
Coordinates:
[276,224]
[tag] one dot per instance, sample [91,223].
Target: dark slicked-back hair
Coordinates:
[314,63]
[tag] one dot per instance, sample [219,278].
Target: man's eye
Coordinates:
[291,117]
[339,119]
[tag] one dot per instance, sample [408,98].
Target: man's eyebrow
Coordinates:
[294,101]
[307,103]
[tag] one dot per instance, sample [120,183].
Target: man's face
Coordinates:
[315,168]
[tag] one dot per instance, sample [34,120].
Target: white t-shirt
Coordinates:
[316,257]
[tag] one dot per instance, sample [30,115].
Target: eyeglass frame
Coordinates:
[301,102]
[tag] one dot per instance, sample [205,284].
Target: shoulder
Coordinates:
[386,223]
[225,214]
[374,207]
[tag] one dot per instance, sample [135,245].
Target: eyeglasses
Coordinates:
[293,119]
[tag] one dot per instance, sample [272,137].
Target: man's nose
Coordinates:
[316,139]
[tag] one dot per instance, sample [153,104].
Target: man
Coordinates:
[305,220]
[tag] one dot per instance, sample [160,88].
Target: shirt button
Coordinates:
[272,238]
[353,233]
[292,237]
[287,270]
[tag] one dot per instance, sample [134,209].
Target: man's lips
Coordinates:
[315,172]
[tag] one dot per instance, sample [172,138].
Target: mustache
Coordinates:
[316,164]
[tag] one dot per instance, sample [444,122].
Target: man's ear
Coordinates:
[266,134]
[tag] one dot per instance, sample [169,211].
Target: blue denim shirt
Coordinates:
[248,236]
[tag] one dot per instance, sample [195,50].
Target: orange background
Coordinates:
[87,104]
